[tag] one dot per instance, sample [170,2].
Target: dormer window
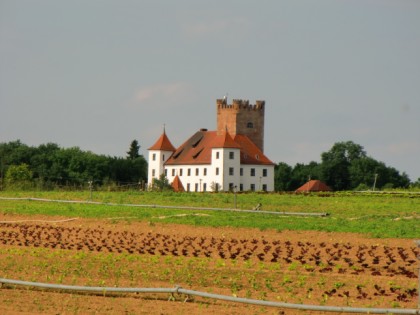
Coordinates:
[250,125]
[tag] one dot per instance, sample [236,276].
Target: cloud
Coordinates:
[161,94]
[223,27]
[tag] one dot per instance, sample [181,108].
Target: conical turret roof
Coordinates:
[163,144]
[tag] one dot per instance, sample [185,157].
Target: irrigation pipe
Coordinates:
[172,207]
[180,290]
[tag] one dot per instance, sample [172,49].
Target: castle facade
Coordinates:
[229,158]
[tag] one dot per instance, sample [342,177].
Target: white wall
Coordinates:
[156,164]
[197,182]
[203,182]
[258,180]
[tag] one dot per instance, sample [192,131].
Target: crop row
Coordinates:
[311,256]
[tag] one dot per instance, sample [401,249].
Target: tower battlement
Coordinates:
[239,104]
[241,117]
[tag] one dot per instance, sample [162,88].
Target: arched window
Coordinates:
[250,125]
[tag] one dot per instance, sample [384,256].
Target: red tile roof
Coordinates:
[313,185]
[197,149]
[225,141]
[177,184]
[250,153]
[163,144]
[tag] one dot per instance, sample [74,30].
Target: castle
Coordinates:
[229,158]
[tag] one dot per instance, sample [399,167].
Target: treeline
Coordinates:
[48,167]
[346,166]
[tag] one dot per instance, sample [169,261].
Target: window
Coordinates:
[241,187]
[241,171]
[188,187]
[153,172]
[173,172]
[264,172]
[231,155]
[250,125]
[163,157]
[154,156]
[180,172]
[217,155]
[189,172]
[252,187]
[217,171]
[197,171]
[230,171]
[204,187]
[196,187]
[166,172]
[264,187]
[205,172]
[252,171]
[231,186]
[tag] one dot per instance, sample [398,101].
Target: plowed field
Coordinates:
[296,267]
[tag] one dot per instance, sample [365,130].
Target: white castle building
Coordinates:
[226,159]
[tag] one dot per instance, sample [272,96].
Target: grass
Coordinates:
[379,216]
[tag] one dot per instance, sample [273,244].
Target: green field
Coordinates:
[375,215]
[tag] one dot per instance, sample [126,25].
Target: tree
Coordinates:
[302,173]
[363,172]
[282,177]
[18,176]
[346,166]
[336,163]
[161,183]
[133,152]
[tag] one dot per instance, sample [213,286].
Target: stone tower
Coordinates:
[242,118]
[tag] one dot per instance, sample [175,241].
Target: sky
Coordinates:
[98,74]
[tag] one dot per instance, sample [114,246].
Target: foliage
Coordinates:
[160,184]
[133,153]
[345,166]
[53,166]
[18,177]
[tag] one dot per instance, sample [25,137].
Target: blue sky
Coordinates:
[98,74]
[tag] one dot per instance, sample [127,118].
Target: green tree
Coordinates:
[363,171]
[18,177]
[133,152]
[302,173]
[336,163]
[282,177]
[346,166]
[161,183]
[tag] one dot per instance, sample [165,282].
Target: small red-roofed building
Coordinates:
[177,185]
[229,158]
[313,185]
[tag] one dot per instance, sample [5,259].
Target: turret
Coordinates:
[159,153]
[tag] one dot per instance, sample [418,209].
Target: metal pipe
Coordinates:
[180,290]
[302,214]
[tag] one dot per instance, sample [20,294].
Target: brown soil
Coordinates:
[338,269]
